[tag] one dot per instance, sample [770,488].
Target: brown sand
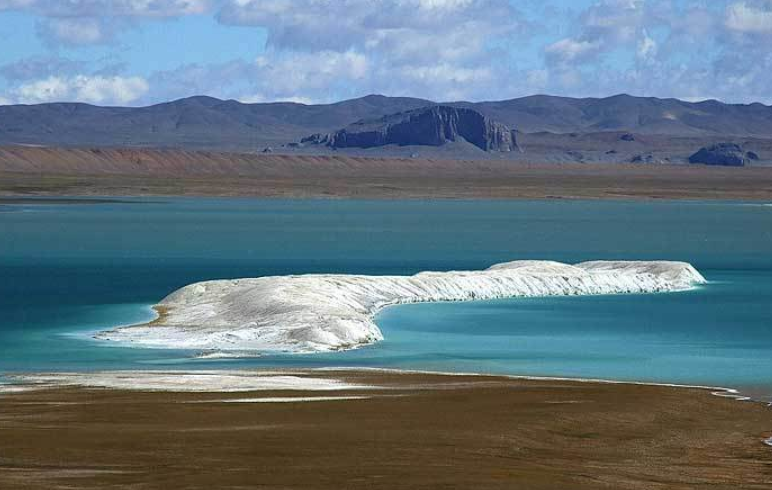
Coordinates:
[117,172]
[417,431]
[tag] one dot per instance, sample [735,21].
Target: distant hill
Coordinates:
[195,122]
[643,115]
[621,128]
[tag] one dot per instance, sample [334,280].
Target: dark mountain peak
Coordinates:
[621,96]
[204,99]
[375,97]
[434,125]
[383,101]
[193,101]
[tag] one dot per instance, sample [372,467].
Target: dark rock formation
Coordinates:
[315,139]
[729,154]
[430,126]
[627,137]
[650,158]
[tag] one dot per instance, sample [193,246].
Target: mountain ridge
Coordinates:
[202,122]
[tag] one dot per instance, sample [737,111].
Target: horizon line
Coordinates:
[372,95]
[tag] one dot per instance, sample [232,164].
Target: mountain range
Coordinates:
[544,123]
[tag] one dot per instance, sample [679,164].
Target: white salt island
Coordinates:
[324,312]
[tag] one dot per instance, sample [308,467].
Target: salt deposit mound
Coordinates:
[324,312]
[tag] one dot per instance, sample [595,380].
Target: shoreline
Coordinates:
[720,391]
[50,198]
[386,430]
[15,199]
[17,378]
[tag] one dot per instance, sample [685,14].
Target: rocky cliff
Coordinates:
[729,154]
[430,126]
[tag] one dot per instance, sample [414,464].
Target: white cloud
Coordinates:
[288,76]
[604,26]
[570,50]
[537,79]
[100,90]
[258,98]
[293,74]
[102,8]
[663,48]
[316,49]
[47,90]
[393,46]
[749,18]
[445,73]
[37,67]
[4,101]
[614,18]
[159,8]
[85,22]
[325,50]
[647,47]
[73,31]
[82,88]
[15,4]
[399,28]
[321,51]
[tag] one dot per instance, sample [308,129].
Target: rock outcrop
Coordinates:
[650,158]
[430,126]
[728,154]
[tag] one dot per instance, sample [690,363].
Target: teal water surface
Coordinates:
[70,269]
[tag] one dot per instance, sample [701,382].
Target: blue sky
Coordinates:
[137,52]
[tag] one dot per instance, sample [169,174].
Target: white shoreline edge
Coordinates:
[719,391]
[90,333]
[18,379]
[179,381]
[286,399]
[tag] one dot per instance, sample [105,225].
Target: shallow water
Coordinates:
[67,269]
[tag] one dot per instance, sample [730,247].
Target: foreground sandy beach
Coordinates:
[372,429]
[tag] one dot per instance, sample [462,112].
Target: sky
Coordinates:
[140,52]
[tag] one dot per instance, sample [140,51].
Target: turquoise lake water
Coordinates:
[67,269]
